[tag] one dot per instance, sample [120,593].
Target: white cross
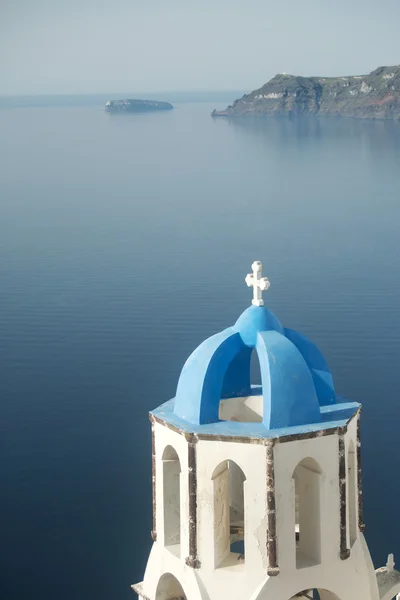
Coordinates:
[390,563]
[259,284]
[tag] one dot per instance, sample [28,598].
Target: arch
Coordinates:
[246,405]
[392,593]
[236,380]
[203,376]
[288,401]
[255,369]
[169,588]
[307,507]
[318,366]
[172,499]
[169,453]
[229,513]
[352,495]
[315,594]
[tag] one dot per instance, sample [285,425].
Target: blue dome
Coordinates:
[295,378]
[253,320]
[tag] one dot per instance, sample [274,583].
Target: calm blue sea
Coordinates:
[124,242]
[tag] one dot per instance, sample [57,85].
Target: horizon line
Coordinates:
[58,94]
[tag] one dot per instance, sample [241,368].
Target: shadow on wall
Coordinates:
[169,588]
[315,594]
[229,519]
[172,503]
[307,484]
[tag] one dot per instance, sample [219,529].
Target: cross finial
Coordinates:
[390,563]
[259,284]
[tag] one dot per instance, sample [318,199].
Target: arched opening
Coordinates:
[388,581]
[315,594]
[229,514]
[352,499]
[307,491]
[255,371]
[247,408]
[169,588]
[172,500]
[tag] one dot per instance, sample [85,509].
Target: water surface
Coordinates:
[124,242]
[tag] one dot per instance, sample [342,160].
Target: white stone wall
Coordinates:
[288,456]
[349,579]
[250,458]
[165,437]
[247,409]
[315,564]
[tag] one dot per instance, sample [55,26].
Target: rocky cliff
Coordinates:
[373,96]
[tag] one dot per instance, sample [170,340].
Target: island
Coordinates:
[129,105]
[373,96]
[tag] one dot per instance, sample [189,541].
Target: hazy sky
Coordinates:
[83,46]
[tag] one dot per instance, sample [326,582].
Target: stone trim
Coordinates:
[308,436]
[361,524]
[229,438]
[245,439]
[153,481]
[192,560]
[253,440]
[272,568]
[344,551]
[137,588]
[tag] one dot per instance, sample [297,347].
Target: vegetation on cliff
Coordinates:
[373,96]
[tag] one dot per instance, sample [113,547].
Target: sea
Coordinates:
[124,242]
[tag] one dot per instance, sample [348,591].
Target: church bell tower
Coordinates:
[257,489]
